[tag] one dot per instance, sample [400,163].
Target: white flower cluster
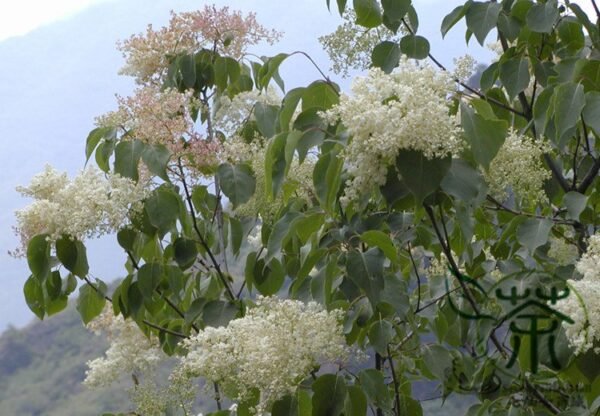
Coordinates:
[91,204]
[130,350]
[272,349]
[563,252]
[387,113]
[351,45]
[583,303]
[518,166]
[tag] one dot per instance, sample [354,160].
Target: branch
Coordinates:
[418,308]
[395,380]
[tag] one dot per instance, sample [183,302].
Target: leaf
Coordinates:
[571,33]
[575,203]
[90,303]
[591,111]
[185,252]
[38,256]
[320,94]
[421,175]
[276,166]
[452,18]
[356,402]
[514,74]
[541,17]
[381,240]
[485,137]
[162,208]
[534,232]
[415,46]
[329,395]
[288,107]
[464,182]
[373,385]
[437,359]
[386,55]
[156,157]
[327,179]
[126,238]
[381,333]
[127,158]
[94,138]
[237,182]
[543,109]
[227,70]
[266,117]
[368,13]
[482,18]
[148,278]
[218,313]
[569,101]
[72,254]
[34,296]
[270,70]
[366,272]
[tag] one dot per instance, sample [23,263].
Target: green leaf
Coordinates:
[94,138]
[464,182]
[282,232]
[227,70]
[38,256]
[127,158]
[482,18]
[569,101]
[368,13]
[575,203]
[356,402]
[381,333]
[276,166]
[415,46]
[534,232]
[218,313]
[34,296]
[381,240]
[288,107]
[373,385]
[395,10]
[187,66]
[320,94]
[485,137]
[543,109]
[148,278]
[541,17]
[386,55]
[103,153]
[452,18]
[266,118]
[327,179]
[72,254]
[162,208]
[270,70]
[591,111]
[237,182]
[185,252]
[571,33]
[514,74]
[329,395]
[437,359]
[156,157]
[89,303]
[421,175]
[126,238]
[366,272]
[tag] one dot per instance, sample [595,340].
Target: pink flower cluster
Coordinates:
[228,32]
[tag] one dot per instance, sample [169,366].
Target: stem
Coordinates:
[378,366]
[418,308]
[395,380]
[214,261]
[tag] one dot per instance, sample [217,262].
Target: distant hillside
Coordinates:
[43,365]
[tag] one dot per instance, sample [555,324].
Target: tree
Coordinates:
[439,231]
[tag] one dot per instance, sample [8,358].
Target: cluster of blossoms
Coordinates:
[405,110]
[518,166]
[582,304]
[297,184]
[351,45]
[563,252]
[91,204]
[164,117]
[271,349]
[147,55]
[130,350]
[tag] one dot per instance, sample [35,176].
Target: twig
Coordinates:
[395,380]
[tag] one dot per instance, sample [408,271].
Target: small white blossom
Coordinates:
[518,166]
[272,349]
[91,204]
[130,350]
[405,110]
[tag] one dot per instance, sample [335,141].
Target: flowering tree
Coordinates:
[418,228]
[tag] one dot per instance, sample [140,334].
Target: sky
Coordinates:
[53,83]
